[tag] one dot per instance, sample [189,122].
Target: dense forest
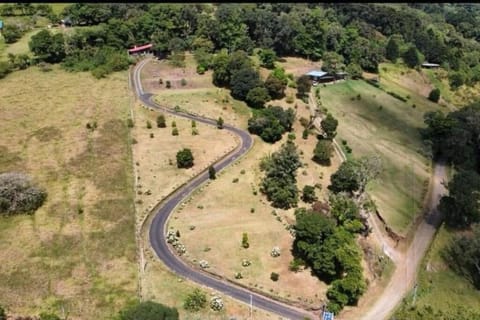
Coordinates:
[360,34]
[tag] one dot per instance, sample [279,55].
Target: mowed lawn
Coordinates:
[375,123]
[77,251]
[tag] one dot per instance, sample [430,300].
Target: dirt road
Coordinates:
[403,278]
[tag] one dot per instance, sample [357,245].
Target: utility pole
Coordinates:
[415,293]
[251,306]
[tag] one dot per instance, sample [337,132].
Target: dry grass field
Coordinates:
[77,251]
[224,209]
[198,96]
[157,177]
[230,202]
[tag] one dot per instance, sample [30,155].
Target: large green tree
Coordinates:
[392,51]
[323,152]
[279,182]
[257,97]
[462,206]
[243,81]
[329,125]
[47,46]
[411,57]
[463,255]
[185,158]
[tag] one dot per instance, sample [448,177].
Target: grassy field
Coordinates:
[19,47]
[77,251]
[374,122]
[438,286]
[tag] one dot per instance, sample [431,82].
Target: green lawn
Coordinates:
[441,288]
[58,7]
[19,47]
[379,124]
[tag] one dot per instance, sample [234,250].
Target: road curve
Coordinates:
[158,229]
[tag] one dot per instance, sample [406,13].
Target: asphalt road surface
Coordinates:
[158,228]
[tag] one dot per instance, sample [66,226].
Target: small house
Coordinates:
[319,76]
[67,22]
[428,65]
[145,49]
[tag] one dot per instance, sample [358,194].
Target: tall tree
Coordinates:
[411,57]
[329,126]
[392,51]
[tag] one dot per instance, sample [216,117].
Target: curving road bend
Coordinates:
[158,228]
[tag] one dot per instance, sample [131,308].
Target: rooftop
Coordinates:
[428,64]
[136,49]
[317,73]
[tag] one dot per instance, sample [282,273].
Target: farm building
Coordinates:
[430,65]
[145,49]
[319,76]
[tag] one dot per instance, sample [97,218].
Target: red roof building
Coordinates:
[140,49]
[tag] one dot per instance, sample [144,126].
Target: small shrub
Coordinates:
[274,276]
[238,275]
[18,194]
[275,252]
[151,135]
[242,171]
[289,99]
[160,81]
[183,82]
[134,141]
[174,124]
[195,301]
[174,132]
[235,180]
[245,243]
[149,124]
[216,303]
[295,265]
[168,84]
[212,173]
[359,97]
[344,142]
[246,263]
[291,136]
[305,134]
[252,210]
[220,123]
[194,124]
[200,69]
[130,123]
[414,106]
[161,122]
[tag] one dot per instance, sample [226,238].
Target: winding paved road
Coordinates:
[158,227]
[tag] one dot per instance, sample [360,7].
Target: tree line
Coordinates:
[454,139]
[359,35]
